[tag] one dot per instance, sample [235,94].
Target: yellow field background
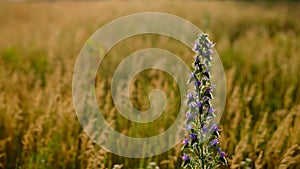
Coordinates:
[258,43]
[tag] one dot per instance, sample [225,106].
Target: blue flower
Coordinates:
[208,90]
[200,106]
[197,82]
[188,127]
[215,127]
[213,86]
[211,45]
[185,141]
[211,110]
[222,154]
[215,130]
[192,105]
[192,77]
[189,115]
[222,158]
[208,52]
[186,157]
[205,98]
[214,142]
[196,47]
[204,129]
[190,97]
[193,136]
[197,61]
[206,73]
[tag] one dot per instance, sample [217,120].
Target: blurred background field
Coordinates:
[258,43]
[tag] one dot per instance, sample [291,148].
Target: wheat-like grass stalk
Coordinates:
[290,157]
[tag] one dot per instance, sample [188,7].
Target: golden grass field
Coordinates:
[258,43]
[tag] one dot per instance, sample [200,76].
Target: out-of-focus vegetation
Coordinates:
[258,43]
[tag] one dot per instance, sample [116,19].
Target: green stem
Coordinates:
[201,120]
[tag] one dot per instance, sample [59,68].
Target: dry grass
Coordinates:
[258,44]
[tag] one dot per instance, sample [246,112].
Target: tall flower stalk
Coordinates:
[201,148]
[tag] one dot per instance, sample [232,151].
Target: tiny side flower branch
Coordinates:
[201,148]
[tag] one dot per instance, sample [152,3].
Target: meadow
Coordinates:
[258,43]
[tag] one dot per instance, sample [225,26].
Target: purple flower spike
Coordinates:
[202,134]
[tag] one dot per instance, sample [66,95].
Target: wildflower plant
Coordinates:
[201,148]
